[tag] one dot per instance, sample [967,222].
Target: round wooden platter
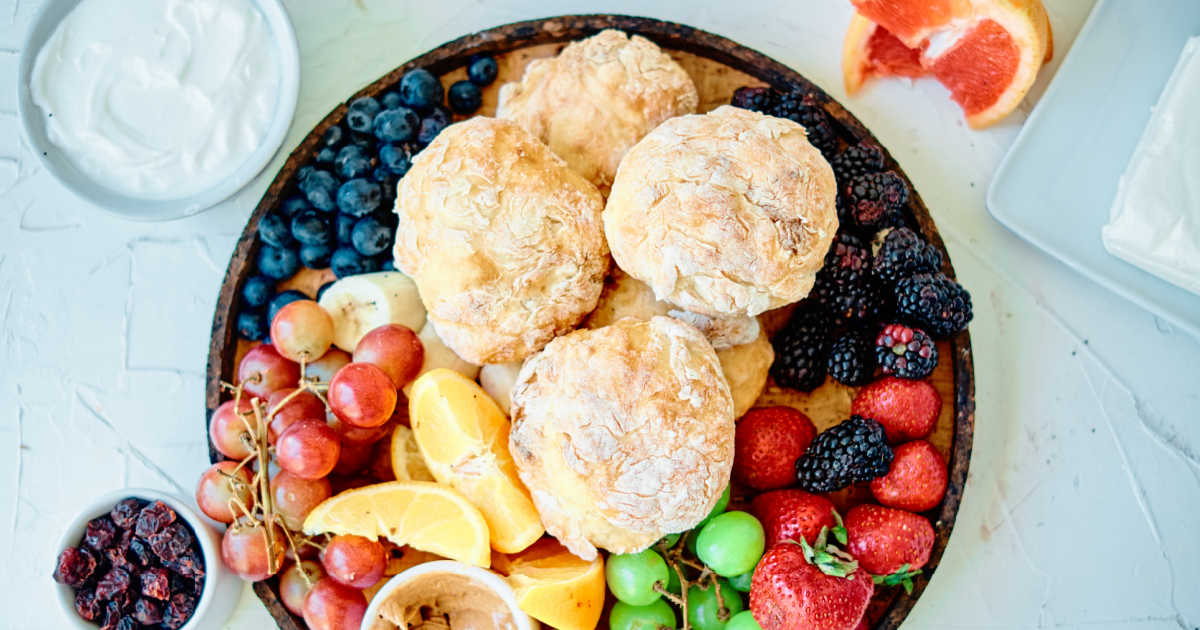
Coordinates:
[718,66]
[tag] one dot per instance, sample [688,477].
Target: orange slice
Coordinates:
[421,514]
[463,436]
[557,588]
[986,52]
[407,462]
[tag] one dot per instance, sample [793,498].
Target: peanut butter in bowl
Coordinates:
[446,595]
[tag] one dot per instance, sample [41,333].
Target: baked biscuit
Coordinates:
[597,98]
[623,433]
[726,213]
[503,240]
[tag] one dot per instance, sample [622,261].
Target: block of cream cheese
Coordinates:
[1155,220]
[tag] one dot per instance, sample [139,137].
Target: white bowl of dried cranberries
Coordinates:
[138,557]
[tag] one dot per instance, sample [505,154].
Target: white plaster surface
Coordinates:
[1083,505]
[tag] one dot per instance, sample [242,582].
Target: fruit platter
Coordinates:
[589,321]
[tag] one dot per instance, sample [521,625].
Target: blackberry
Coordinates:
[852,359]
[874,200]
[801,349]
[905,352]
[904,253]
[796,106]
[753,98]
[855,450]
[860,159]
[935,302]
[844,287]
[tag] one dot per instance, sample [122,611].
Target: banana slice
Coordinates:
[497,380]
[438,355]
[359,304]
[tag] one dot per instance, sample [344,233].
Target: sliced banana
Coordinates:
[498,379]
[438,355]
[359,304]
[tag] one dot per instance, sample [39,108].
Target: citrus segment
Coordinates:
[978,68]
[557,588]
[421,514]
[407,462]
[870,51]
[912,21]
[463,435]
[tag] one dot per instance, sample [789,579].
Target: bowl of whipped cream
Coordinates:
[158,109]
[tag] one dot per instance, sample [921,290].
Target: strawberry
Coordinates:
[792,515]
[888,541]
[916,481]
[907,409]
[818,587]
[768,442]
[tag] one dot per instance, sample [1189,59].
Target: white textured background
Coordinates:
[1083,504]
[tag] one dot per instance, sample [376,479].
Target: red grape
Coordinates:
[354,560]
[381,462]
[230,432]
[296,496]
[247,552]
[219,486]
[331,605]
[292,586]
[359,435]
[355,457]
[302,330]
[303,406]
[362,395]
[263,370]
[393,348]
[308,449]
[323,369]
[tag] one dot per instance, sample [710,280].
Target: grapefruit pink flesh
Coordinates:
[890,57]
[912,22]
[979,67]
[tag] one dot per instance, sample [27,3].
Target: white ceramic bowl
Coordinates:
[222,588]
[57,164]
[491,580]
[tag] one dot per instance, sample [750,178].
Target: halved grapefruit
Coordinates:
[986,52]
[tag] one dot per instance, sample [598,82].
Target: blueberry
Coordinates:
[430,128]
[277,262]
[345,228]
[352,161]
[371,237]
[293,205]
[322,289]
[326,155]
[388,264]
[391,100]
[320,187]
[387,181]
[396,158]
[465,97]
[333,136]
[347,262]
[361,112]
[396,125]
[273,230]
[364,141]
[281,300]
[482,70]
[359,197]
[420,89]
[315,256]
[257,291]
[303,172]
[252,324]
[312,227]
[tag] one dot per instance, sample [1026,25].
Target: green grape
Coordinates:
[703,611]
[632,576]
[743,621]
[670,539]
[673,584]
[649,617]
[731,543]
[722,503]
[742,582]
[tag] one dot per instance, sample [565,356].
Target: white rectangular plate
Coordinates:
[1057,183]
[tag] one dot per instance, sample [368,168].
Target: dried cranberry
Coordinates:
[124,514]
[125,540]
[179,610]
[114,583]
[185,585]
[117,560]
[139,551]
[172,541]
[153,518]
[189,564]
[86,605]
[75,565]
[100,533]
[155,583]
[128,623]
[148,611]
[112,615]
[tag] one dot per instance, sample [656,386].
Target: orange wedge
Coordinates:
[463,436]
[986,52]
[407,462]
[557,588]
[421,514]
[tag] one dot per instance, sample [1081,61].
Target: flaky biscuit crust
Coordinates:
[729,212]
[503,240]
[623,433]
